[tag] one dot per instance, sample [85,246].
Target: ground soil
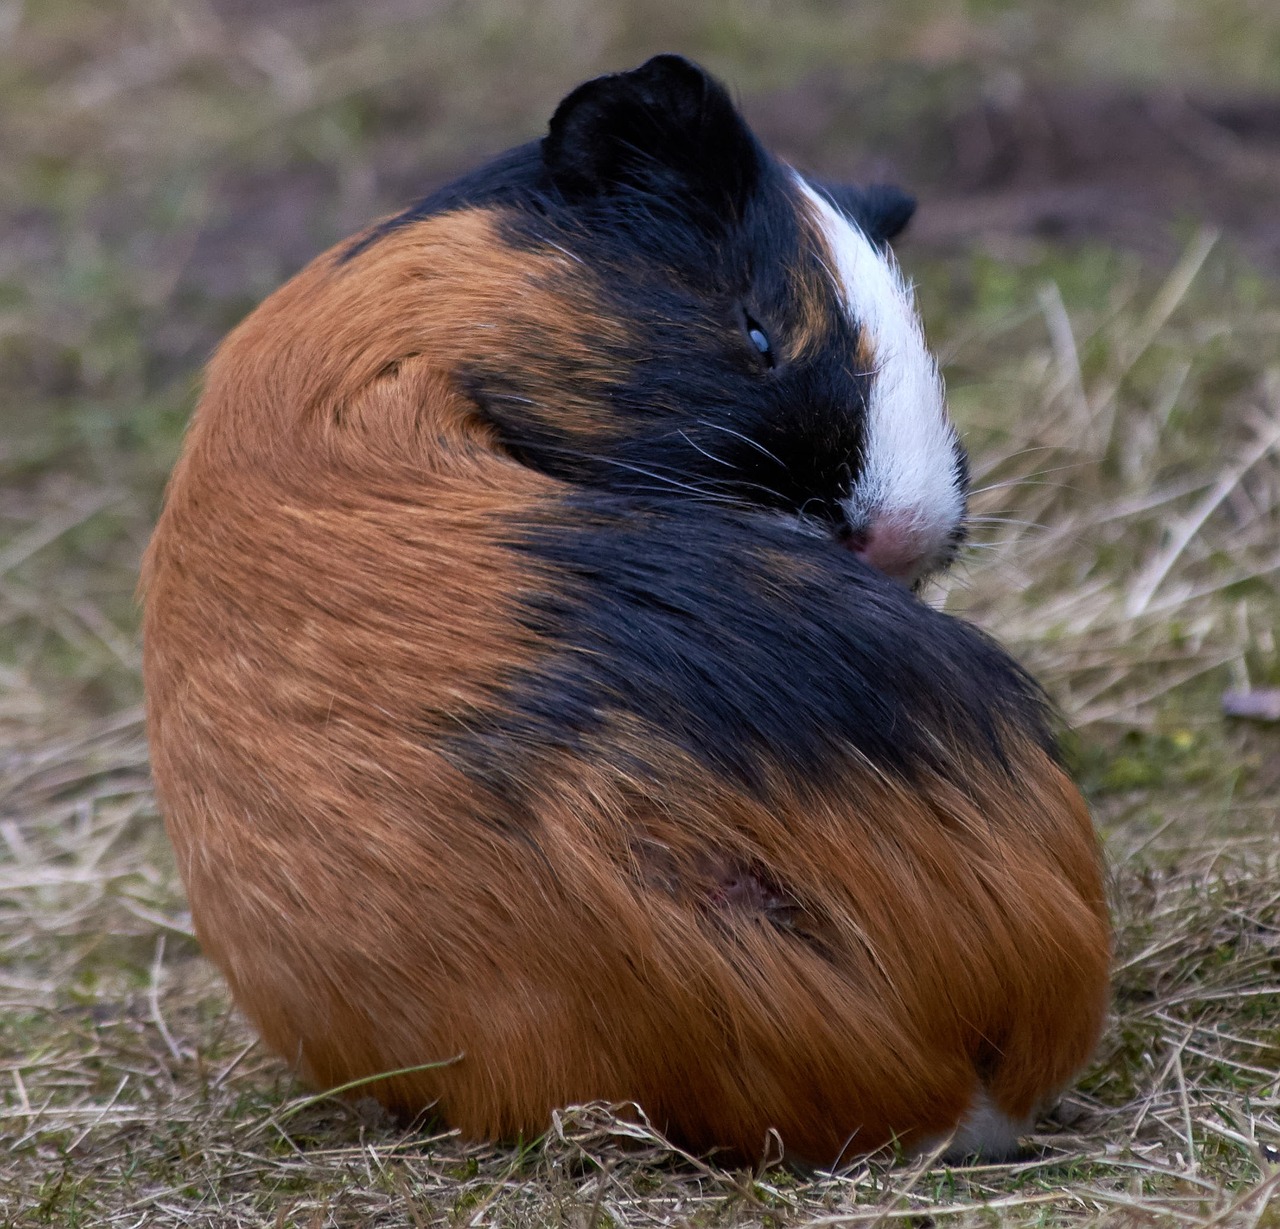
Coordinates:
[1099,162]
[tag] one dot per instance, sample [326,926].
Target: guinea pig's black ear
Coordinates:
[880,210]
[666,127]
[886,210]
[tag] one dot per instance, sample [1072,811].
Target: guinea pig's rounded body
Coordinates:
[527,707]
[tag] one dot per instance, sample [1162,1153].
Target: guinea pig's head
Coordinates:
[705,323]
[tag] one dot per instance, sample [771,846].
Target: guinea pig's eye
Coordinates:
[760,339]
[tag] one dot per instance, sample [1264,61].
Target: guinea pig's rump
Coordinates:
[584,798]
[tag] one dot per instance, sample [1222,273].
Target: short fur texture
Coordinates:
[515,703]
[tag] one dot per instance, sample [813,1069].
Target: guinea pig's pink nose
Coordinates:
[895,547]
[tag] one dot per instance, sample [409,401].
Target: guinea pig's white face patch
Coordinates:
[910,489]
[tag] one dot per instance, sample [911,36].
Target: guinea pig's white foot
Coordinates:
[985,1133]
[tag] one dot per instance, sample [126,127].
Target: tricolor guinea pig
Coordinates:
[538,697]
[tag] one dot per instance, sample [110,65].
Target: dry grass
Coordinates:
[1126,431]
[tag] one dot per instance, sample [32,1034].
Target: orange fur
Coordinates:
[330,595]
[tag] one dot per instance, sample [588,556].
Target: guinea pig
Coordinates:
[541,709]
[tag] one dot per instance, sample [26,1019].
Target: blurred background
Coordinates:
[1097,257]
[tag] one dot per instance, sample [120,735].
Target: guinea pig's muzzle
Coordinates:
[895,546]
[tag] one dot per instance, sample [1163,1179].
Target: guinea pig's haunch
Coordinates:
[534,695]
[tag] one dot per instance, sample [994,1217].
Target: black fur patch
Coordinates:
[698,414]
[756,650]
